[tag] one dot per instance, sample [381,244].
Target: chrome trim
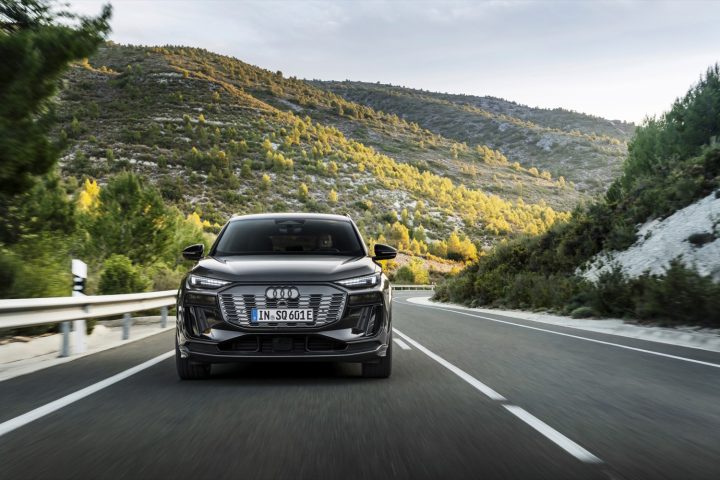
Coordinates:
[285,293]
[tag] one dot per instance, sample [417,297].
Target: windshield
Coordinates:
[293,236]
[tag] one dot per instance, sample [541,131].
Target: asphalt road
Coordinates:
[469,397]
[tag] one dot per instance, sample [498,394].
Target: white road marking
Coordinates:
[32,415]
[556,437]
[401,344]
[651,352]
[460,373]
[553,435]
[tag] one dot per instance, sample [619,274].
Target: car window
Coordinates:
[292,236]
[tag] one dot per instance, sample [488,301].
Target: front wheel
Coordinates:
[190,371]
[379,369]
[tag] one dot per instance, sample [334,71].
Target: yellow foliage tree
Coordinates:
[195,220]
[399,235]
[265,182]
[89,198]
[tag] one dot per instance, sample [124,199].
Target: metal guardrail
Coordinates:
[27,312]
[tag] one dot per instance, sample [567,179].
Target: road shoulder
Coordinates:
[689,337]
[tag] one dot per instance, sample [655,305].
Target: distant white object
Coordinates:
[79,271]
[79,268]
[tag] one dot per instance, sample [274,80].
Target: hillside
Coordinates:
[221,137]
[585,149]
[690,236]
[647,249]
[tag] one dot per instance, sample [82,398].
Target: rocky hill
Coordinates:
[221,137]
[585,149]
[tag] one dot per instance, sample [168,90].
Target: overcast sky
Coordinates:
[616,59]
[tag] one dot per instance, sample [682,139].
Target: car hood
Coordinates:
[283,268]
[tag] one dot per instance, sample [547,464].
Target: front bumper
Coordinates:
[212,353]
[360,335]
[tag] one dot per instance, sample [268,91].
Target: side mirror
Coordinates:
[194,252]
[384,252]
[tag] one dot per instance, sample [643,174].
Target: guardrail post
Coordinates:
[65,341]
[79,271]
[163,317]
[126,326]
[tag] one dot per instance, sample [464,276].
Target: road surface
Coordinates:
[471,396]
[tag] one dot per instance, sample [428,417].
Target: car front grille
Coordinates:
[326,302]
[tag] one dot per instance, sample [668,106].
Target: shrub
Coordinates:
[414,272]
[582,312]
[403,275]
[700,239]
[680,296]
[165,278]
[613,295]
[119,275]
[303,193]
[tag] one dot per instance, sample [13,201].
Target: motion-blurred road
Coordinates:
[469,397]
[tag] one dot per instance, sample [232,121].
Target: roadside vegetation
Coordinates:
[124,230]
[672,162]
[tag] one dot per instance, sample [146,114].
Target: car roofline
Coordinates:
[291,215]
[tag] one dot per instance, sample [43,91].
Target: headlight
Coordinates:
[361,282]
[196,281]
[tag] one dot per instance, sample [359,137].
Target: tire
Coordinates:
[190,371]
[379,369]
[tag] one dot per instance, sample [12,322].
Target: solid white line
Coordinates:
[460,373]
[32,415]
[553,435]
[642,350]
[401,344]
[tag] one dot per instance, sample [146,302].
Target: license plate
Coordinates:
[270,315]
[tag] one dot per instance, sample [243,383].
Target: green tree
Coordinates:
[398,235]
[45,208]
[119,275]
[246,170]
[405,217]
[36,49]
[419,234]
[131,219]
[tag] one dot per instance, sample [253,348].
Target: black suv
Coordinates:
[285,287]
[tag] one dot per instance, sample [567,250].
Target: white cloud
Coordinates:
[621,59]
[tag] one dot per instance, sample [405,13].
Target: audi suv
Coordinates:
[285,287]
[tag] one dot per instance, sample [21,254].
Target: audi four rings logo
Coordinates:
[282,293]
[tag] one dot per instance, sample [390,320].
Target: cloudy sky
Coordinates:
[617,59]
